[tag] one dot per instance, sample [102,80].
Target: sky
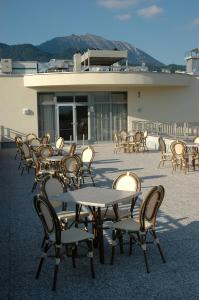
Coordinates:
[164,29]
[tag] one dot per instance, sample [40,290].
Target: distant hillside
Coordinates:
[23,52]
[65,47]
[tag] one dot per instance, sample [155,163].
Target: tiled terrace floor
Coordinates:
[178,232]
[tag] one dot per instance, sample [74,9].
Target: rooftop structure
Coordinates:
[192,61]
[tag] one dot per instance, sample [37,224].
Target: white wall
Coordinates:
[13,98]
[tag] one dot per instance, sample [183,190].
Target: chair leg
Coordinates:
[34,186]
[90,255]
[158,245]
[142,239]
[113,246]
[121,242]
[73,256]
[57,262]
[130,245]
[42,259]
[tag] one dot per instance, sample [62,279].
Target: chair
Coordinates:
[59,144]
[127,181]
[34,143]
[45,140]
[87,157]
[26,158]
[164,156]
[138,141]
[40,171]
[45,151]
[145,135]
[118,144]
[72,149]
[138,229]
[196,140]
[70,166]
[54,185]
[30,136]
[57,238]
[18,142]
[180,156]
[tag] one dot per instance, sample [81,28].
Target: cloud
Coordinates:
[123,17]
[150,12]
[195,21]
[117,4]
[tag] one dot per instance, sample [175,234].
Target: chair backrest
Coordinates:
[70,164]
[48,217]
[25,151]
[138,136]
[52,185]
[72,149]
[127,182]
[178,149]
[196,139]
[150,206]
[44,140]
[123,135]
[45,151]
[145,134]
[35,142]
[162,145]
[88,155]
[18,142]
[59,143]
[30,136]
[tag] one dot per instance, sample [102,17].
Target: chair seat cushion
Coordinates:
[130,225]
[73,235]
[127,225]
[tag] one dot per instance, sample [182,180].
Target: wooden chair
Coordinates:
[180,156]
[70,166]
[87,157]
[127,181]
[56,238]
[164,155]
[138,230]
[30,136]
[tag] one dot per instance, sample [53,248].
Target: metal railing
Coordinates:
[170,129]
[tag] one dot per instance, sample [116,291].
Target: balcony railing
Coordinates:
[171,129]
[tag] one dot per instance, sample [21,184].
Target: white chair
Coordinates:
[138,229]
[127,181]
[87,157]
[57,238]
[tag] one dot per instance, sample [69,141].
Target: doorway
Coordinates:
[72,122]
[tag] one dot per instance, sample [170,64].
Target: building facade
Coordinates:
[90,105]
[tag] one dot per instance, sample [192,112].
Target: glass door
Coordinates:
[65,122]
[82,122]
[73,122]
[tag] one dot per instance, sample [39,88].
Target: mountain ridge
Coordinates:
[65,47]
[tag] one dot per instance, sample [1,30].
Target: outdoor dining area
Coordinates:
[93,223]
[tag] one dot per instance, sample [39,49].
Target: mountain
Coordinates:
[24,52]
[65,47]
[68,45]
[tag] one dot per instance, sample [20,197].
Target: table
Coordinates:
[95,197]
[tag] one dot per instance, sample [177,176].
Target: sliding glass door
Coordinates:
[73,122]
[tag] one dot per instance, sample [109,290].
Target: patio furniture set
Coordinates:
[72,214]
[130,142]
[182,155]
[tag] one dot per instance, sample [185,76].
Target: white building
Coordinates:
[91,102]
